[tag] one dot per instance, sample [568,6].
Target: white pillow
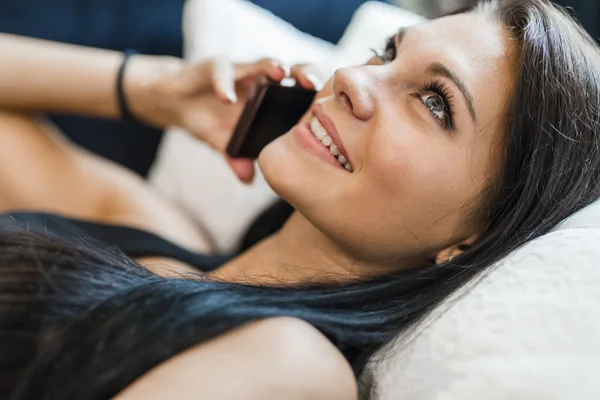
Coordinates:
[527,329]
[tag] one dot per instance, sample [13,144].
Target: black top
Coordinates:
[131,241]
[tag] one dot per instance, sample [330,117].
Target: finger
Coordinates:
[212,122]
[306,77]
[243,168]
[223,79]
[246,88]
[267,66]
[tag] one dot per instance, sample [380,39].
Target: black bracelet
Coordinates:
[126,114]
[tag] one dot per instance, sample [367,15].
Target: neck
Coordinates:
[299,252]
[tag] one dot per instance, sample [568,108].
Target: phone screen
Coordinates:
[273,111]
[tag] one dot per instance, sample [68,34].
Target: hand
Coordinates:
[206,98]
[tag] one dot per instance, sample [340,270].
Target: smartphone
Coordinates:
[272,111]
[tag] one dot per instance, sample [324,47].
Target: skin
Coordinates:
[410,199]
[395,211]
[270,359]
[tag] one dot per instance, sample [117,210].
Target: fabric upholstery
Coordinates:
[526,329]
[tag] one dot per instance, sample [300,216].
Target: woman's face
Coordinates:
[421,129]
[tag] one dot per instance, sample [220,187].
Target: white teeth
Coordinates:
[327,141]
[334,150]
[321,134]
[317,129]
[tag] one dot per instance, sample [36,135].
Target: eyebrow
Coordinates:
[439,69]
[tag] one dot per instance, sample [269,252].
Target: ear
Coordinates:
[454,251]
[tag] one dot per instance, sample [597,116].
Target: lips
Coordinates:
[336,145]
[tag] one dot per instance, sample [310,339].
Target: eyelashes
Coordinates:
[389,52]
[442,110]
[434,95]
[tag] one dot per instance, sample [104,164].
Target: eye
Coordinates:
[436,105]
[436,97]
[389,53]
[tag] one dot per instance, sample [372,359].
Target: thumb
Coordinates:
[243,168]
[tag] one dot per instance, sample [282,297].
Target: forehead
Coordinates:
[475,47]
[474,36]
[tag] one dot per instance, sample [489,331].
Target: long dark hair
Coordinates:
[80,321]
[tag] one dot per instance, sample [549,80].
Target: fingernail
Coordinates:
[315,81]
[286,70]
[232,97]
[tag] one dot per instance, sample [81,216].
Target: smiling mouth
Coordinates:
[321,134]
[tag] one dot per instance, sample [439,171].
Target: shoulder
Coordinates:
[303,362]
[308,360]
[270,359]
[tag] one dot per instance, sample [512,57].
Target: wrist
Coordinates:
[136,80]
[142,85]
[122,102]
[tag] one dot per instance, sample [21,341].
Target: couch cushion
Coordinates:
[589,217]
[526,329]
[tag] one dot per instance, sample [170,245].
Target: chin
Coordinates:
[280,167]
[303,180]
[294,174]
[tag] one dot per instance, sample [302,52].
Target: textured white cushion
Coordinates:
[527,329]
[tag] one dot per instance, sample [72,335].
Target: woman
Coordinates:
[469,136]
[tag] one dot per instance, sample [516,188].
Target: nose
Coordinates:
[352,88]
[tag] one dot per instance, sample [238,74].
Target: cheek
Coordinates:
[425,184]
[398,164]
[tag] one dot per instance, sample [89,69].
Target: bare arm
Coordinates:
[274,359]
[38,75]
[43,76]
